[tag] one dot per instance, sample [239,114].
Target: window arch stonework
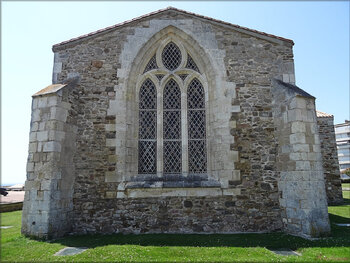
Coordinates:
[181,143]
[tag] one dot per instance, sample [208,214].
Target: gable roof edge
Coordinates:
[255,33]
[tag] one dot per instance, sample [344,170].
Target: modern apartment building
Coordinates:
[342,135]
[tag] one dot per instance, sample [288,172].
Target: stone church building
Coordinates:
[175,123]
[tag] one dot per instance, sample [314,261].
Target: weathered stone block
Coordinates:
[298,127]
[33,146]
[42,102]
[52,146]
[297,138]
[30,167]
[111,194]
[42,136]
[303,166]
[301,148]
[112,177]
[57,113]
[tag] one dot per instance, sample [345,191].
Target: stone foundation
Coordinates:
[176,215]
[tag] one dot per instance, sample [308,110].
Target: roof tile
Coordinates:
[321,114]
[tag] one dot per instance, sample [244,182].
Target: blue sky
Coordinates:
[320,31]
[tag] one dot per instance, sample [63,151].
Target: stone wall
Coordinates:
[240,193]
[173,215]
[330,159]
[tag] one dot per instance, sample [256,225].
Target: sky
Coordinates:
[320,31]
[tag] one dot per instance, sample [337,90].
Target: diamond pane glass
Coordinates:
[197,156]
[152,64]
[195,95]
[147,157]
[148,125]
[183,76]
[191,64]
[172,157]
[160,76]
[196,124]
[171,56]
[148,95]
[197,153]
[172,129]
[172,153]
[147,128]
[172,96]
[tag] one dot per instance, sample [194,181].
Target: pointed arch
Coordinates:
[149,64]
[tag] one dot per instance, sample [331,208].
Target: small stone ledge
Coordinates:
[171,181]
[174,184]
[171,192]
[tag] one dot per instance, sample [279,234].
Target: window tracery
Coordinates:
[152,64]
[171,56]
[179,151]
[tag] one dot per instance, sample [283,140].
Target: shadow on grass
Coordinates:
[340,237]
[346,201]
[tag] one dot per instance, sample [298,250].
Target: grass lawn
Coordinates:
[180,248]
[345,185]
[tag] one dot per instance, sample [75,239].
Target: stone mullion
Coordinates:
[159,132]
[184,134]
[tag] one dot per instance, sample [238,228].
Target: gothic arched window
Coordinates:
[177,145]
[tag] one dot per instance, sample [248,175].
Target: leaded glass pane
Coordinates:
[172,153]
[160,76]
[197,156]
[172,157]
[148,95]
[191,64]
[196,124]
[172,129]
[152,64]
[183,76]
[195,95]
[148,125]
[172,95]
[147,157]
[147,128]
[171,56]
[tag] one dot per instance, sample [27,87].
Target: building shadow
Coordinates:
[340,237]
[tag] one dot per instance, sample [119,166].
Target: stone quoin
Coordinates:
[174,123]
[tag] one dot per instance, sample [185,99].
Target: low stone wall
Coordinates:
[330,159]
[11,207]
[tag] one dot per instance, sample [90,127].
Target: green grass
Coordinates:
[345,185]
[180,248]
[346,196]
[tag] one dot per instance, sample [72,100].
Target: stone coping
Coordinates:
[177,192]
[172,181]
[49,89]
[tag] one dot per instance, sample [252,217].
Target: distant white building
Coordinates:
[342,135]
